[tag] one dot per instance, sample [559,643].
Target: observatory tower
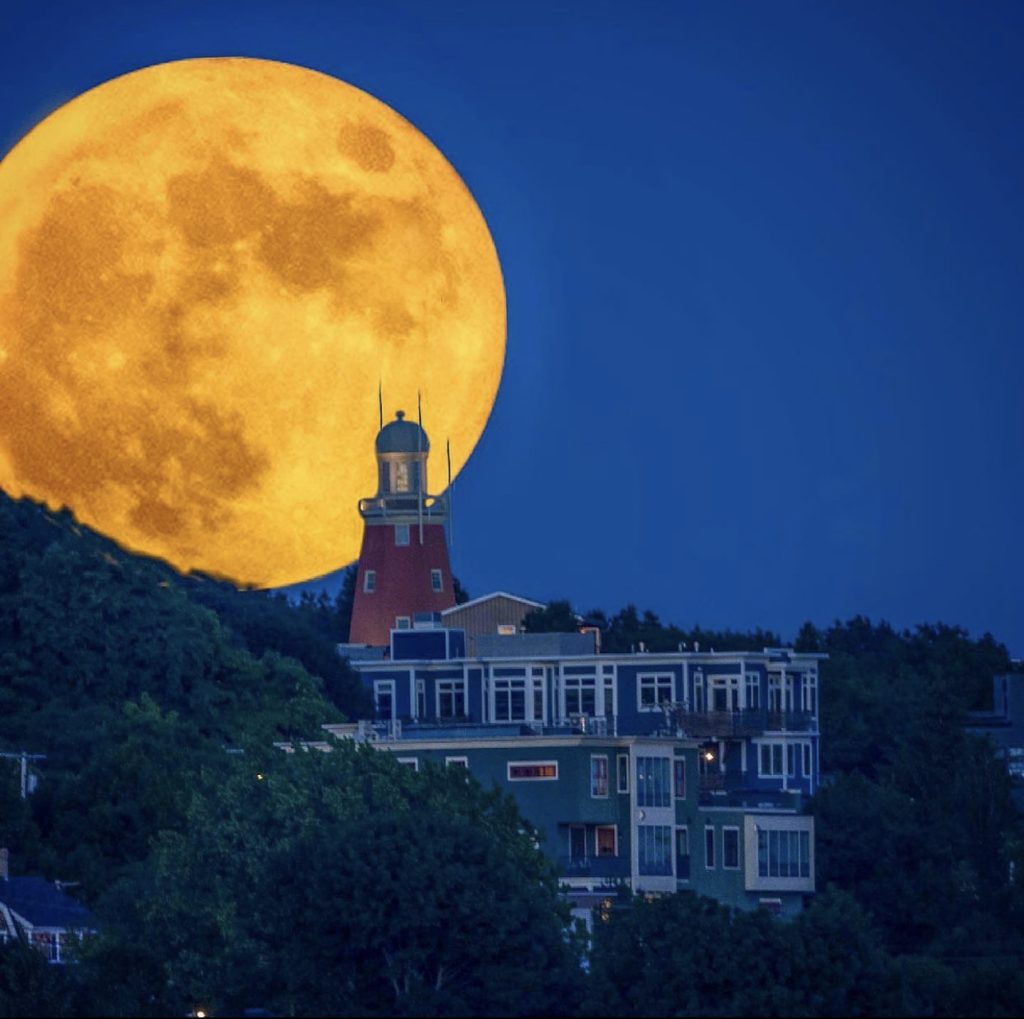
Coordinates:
[404,570]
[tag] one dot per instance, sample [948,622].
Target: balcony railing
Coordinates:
[593,866]
[740,724]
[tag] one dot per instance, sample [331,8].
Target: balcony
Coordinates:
[434,507]
[608,868]
[741,724]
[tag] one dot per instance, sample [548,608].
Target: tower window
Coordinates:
[436,580]
[401,534]
[402,476]
[370,581]
[403,623]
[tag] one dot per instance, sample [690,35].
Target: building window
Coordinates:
[679,778]
[580,695]
[410,762]
[753,691]
[384,697]
[403,623]
[709,848]
[609,695]
[773,906]
[370,581]
[783,853]
[652,782]
[791,749]
[769,760]
[402,476]
[655,690]
[774,692]
[654,845]
[623,783]
[683,854]
[810,692]
[421,698]
[807,760]
[509,700]
[507,629]
[538,698]
[606,840]
[730,848]
[451,698]
[436,581]
[457,762]
[698,691]
[533,771]
[599,775]
[401,534]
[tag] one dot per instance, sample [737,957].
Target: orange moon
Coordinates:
[206,267]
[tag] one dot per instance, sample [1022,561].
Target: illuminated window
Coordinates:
[532,771]
[606,840]
[506,629]
[370,581]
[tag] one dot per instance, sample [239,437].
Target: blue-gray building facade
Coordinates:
[654,771]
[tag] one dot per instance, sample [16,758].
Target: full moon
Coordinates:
[206,269]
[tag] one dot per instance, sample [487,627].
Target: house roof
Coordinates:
[489,597]
[43,904]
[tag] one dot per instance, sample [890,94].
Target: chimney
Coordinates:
[5,855]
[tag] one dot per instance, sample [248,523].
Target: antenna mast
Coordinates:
[380,403]
[451,509]
[419,467]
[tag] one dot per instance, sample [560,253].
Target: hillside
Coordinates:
[118,669]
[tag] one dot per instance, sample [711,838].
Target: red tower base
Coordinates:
[397,581]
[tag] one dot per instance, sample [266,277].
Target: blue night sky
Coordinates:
[764,274]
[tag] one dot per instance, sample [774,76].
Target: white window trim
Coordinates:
[806,758]
[398,622]
[531,764]
[380,685]
[655,676]
[614,828]
[739,850]
[714,853]
[413,762]
[459,762]
[369,581]
[437,575]
[437,697]
[607,777]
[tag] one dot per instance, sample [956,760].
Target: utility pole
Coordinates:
[24,756]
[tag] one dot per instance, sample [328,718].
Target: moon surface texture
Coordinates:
[206,267]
